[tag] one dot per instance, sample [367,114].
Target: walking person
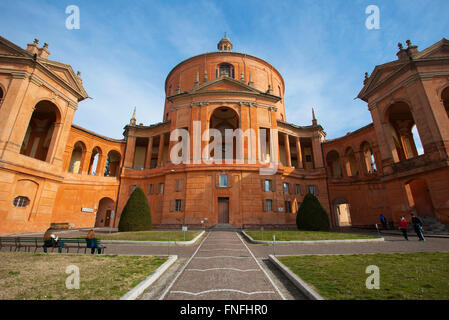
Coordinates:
[403,226]
[417,225]
[383,220]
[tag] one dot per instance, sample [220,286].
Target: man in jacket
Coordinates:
[417,225]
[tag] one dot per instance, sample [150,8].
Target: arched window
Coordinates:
[226,69]
[1,96]
[112,164]
[333,164]
[351,163]
[368,158]
[41,131]
[445,98]
[94,161]
[76,161]
[401,124]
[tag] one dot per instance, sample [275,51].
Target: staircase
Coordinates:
[224,227]
[433,226]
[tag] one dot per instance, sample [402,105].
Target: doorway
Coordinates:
[419,197]
[223,210]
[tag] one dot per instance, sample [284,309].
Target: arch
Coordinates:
[445,99]
[333,164]
[222,119]
[369,161]
[95,161]
[112,167]
[350,163]
[2,95]
[105,213]
[77,158]
[419,198]
[42,131]
[401,121]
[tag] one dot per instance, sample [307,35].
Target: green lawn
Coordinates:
[175,235]
[414,276]
[28,276]
[297,235]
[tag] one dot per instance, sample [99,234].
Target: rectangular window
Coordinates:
[288,206]
[178,205]
[178,185]
[308,158]
[286,188]
[311,189]
[150,189]
[267,185]
[269,205]
[297,189]
[161,188]
[223,180]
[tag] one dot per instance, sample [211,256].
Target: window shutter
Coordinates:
[289,185]
[273,185]
[316,190]
[158,187]
[217,180]
[181,184]
[274,205]
[172,205]
[229,180]
[301,189]
[263,185]
[264,205]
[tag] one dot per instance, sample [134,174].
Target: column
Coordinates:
[149,153]
[54,138]
[160,155]
[86,161]
[130,150]
[299,153]
[287,150]
[316,151]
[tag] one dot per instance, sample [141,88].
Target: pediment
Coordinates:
[64,72]
[224,84]
[438,50]
[10,49]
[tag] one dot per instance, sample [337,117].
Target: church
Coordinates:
[224,152]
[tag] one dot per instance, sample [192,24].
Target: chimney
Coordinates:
[32,47]
[43,52]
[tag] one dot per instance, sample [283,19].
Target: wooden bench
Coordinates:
[60,225]
[8,242]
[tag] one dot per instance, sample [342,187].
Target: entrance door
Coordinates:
[108,218]
[223,210]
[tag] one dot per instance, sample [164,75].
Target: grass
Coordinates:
[174,235]
[299,235]
[412,276]
[28,276]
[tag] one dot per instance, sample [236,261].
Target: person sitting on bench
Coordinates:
[91,241]
[50,240]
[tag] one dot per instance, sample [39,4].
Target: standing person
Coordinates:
[51,240]
[417,225]
[383,220]
[91,241]
[403,226]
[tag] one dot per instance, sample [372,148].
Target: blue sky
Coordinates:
[125,49]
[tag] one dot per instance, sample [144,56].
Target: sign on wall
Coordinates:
[90,210]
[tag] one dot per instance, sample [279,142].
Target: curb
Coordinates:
[180,243]
[312,241]
[135,292]
[297,281]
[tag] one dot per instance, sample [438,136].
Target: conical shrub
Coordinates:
[136,215]
[311,215]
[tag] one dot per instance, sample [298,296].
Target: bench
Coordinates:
[27,243]
[59,225]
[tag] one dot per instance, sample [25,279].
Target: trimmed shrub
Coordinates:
[136,215]
[311,215]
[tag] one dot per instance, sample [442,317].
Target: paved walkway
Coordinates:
[222,268]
